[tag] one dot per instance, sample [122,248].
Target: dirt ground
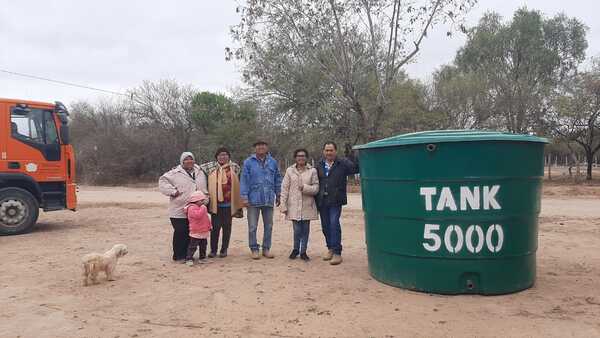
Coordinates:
[41,293]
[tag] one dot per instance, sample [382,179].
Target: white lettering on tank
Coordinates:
[473,237]
[489,197]
[428,192]
[446,200]
[469,197]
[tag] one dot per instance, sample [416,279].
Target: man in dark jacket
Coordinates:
[333,178]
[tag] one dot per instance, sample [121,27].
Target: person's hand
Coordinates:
[301,187]
[277,201]
[244,203]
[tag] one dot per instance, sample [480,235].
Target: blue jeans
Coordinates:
[267,216]
[332,229]
[301,232]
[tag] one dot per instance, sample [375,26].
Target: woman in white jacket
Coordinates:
[300,185]
[179,183]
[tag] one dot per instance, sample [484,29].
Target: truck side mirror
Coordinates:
[63,115]
[64,134]
[62,112]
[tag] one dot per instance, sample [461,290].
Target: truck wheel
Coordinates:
[19,211]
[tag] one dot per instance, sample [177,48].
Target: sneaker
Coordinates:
[304,257]
[336,259]
[294,254]
[212,255]
[267,254]
[328,256]
[202,261]
[255,255]
[223,254]
[189,262]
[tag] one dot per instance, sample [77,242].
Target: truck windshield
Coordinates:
[33,125]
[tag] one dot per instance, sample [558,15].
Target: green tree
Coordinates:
[460,99]
[409,109]
[210,110]
[224,122]
[522,63]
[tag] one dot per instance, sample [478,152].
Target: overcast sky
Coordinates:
[116,44]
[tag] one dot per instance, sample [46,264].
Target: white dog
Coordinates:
[93,263]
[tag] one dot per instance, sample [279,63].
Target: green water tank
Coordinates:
[453,211]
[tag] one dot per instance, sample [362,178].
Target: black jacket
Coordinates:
[332,188]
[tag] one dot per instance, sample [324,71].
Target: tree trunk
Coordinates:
[550,168]
[574,160]
[374,130]
[589,156]
[363,120]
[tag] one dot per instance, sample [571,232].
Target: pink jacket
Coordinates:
[200,224]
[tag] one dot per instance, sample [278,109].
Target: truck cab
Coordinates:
[37,164]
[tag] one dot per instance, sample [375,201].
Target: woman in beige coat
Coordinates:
[300,185]
[179,183]
[225,200]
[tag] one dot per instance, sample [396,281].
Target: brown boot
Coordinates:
[336,260]
[255,255]
[267,254]
[328,255]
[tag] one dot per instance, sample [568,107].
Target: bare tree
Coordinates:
[358,46]
[108,150]
[578,115]
[164,104]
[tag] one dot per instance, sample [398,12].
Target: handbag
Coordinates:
[238,214]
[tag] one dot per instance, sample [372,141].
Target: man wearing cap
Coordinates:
[260,188]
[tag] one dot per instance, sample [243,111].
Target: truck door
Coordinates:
[33,145]
[35,129]
[3,136]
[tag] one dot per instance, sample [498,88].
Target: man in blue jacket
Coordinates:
[260,187]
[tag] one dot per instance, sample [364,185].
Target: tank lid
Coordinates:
[441,136]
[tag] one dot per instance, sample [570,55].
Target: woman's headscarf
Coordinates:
[185,155]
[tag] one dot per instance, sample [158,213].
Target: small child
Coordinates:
[200,226]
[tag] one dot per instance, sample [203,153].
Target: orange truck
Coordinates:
[37,163]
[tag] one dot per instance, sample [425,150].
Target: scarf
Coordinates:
[216,179]
[221,181]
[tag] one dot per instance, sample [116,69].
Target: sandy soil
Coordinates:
[41,293]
